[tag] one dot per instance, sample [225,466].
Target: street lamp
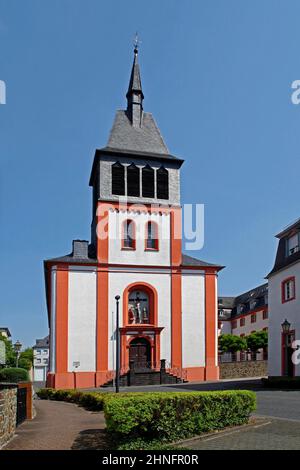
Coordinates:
[285,330]
[17,347]
[117,298]
[285,327]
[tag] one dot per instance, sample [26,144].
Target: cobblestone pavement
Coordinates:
[60,426]
[272,434]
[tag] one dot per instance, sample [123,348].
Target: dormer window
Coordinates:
[128,235]
[292,244]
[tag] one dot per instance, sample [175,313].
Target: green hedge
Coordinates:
[172,416]
[91,400]
[14,374]
[150,420]
[292,383]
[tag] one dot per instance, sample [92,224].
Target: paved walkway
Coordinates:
[270,434]
[60,426]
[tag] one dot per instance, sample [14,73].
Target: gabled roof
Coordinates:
[42,343]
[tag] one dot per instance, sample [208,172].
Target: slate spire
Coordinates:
[135,94]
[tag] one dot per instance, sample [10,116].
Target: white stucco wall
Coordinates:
[161,281]
[138,256]
[193,320]
[82,320]
[259,325]
[278,312]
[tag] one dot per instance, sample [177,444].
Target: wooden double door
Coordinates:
[140,353]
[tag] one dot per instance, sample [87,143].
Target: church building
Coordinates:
[168,300]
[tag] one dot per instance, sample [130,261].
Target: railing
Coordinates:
[242,356]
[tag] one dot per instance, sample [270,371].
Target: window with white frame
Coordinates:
[288,289]
[293,244]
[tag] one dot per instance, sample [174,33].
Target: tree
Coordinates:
[10,354]
[26,359]
[257,340]
[231,343]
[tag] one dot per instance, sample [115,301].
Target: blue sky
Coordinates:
[217,76]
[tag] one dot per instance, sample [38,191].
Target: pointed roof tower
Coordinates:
[133,129]
[135,94]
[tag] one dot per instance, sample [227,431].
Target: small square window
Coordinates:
[253,318]
[242,322]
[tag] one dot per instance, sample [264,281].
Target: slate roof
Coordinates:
[135,82]
[6,330]
[91,259]
[282,260]
[258,294]
[190,261]
[146,138]
[42,343]
[226,302]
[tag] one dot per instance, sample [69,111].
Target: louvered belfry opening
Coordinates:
[162,183]
[118,179]
[133,180]
[147,181]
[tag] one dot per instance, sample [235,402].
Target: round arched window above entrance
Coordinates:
[138,307]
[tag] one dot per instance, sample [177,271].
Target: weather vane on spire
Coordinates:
[136,43]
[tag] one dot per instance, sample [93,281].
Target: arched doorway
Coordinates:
[140,353]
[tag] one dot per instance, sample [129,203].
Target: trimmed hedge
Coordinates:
[292,383]
[14,374]
[151,420]
[171,416]
[91,400]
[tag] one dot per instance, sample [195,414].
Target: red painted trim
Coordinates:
[244,315]
[154,343]
[126,223]
[283,299]
[154,228]
[61,327]
[102,321]
[211,369]
[176,319]
[102,232]
[176,236]
[153,302]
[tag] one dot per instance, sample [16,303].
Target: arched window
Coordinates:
[128,235]
[147,181]
[162,183]
[151,236]
[118,179]
[133,180]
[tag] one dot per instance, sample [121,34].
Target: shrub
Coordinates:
[172,416]
[14,374]
[90,400]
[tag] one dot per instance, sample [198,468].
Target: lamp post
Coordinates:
[285,330]
[117,298]
[17,347]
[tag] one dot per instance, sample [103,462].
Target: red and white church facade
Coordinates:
[168,300]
